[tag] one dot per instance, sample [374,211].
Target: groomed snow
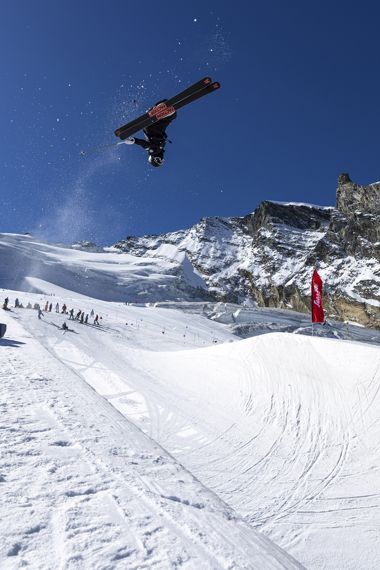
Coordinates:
[83,488]
[159,439]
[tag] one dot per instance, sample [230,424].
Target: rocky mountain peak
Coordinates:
[352,197]
[355,224]
[300,216]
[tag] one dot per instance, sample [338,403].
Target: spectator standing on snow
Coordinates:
[40,313]
[64,309]
[57,308]
[71,314]
[50,307]
[5,304]
[17,303]
[82,318]
[78,315]
[92,313]
[46,306]
[86,319]
[96,320]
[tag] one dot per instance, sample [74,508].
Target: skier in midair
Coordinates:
[155,121]
[155,139]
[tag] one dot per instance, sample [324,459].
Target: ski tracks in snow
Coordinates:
[56,500]
[278,431]
[283,428]
[84,488]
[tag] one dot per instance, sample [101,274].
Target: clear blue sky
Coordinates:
[299,103]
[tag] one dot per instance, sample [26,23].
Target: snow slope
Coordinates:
[159,439]
[83,488]
[111,275]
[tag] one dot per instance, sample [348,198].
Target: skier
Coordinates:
[65,327]
[40,314]
[96,320]
[155,139]
[156,120]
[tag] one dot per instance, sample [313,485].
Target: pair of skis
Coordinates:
[168,107]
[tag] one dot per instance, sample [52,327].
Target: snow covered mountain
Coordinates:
[268,256]
[265,259]
[151,278]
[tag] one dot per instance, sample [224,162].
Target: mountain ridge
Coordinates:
[263,259]
[267,257]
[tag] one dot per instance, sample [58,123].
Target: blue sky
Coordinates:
[299,104]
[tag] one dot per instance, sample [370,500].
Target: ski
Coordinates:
[185,93]
[197,95]
[164,110]
[189,91]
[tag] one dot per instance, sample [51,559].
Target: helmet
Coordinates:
[155,160]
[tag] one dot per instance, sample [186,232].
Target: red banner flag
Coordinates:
[317,315]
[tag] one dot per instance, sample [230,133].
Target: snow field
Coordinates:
[283,428]
[82,487]
[159,439]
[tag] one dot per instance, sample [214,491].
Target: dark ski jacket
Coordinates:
[155,136]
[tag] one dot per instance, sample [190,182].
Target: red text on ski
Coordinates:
[161,111]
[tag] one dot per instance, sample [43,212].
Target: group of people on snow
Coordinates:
[80,316]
